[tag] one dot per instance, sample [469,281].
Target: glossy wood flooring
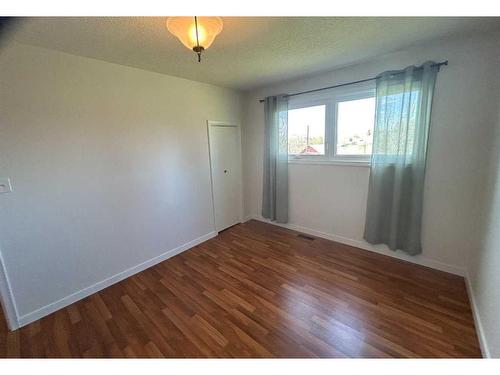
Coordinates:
[258,290]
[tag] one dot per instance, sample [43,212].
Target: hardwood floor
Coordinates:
[258,290]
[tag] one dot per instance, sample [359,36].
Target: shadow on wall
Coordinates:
[7,25]
[483,264]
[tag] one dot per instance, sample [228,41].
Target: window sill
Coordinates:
[343,163]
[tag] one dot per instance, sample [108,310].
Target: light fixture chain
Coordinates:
[197,40]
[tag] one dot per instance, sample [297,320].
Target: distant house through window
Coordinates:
[333,126]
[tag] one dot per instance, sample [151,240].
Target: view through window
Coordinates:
[337,128]
[355,119]
[306,130]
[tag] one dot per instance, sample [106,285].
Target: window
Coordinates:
[333,126]
[355,126]
[306,130]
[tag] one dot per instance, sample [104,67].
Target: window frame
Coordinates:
[313,101]
[330,99]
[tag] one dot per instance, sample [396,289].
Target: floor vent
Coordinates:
[305,237]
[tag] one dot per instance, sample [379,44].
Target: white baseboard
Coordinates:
[380,249]
[249,217]
[477,319]
[72,298]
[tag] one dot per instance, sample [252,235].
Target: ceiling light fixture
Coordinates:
[196,33]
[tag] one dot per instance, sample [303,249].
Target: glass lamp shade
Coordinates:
[184,29]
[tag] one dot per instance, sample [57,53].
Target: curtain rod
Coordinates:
[346,84]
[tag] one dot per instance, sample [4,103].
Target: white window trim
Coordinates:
[344,162]
[331,98]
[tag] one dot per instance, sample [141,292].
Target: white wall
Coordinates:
[109,166]
[462,122]
[484,262]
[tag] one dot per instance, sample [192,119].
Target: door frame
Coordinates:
[232,124]
[7,300]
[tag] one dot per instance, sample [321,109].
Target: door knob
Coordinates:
[225,170]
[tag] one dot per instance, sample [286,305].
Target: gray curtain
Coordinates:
[275,190]
[402,119]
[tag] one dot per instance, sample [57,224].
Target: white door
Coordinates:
[225,162]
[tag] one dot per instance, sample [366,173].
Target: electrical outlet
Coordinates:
[5,186]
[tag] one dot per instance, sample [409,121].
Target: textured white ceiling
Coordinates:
[250,51]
